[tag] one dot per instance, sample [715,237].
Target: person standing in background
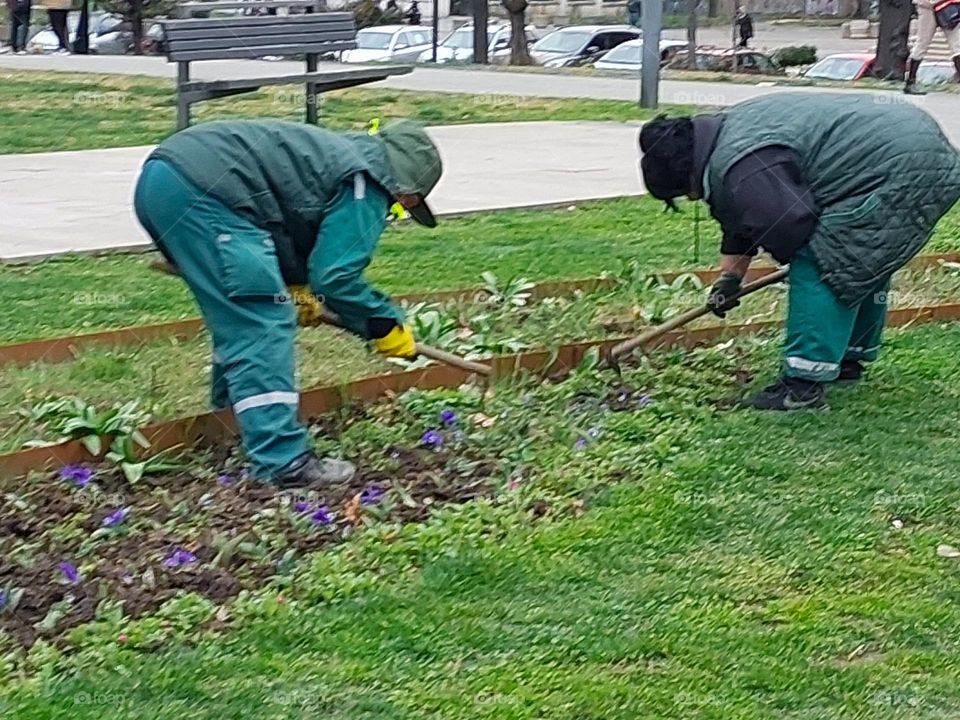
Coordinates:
[57,11]
[744,26]
[930,16]
[19,25]
[634,12]
[413,14]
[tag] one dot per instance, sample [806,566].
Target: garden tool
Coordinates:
[627,346]
[310,312]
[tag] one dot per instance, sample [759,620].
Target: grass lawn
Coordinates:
[80,111]
[689,562]
[82,294]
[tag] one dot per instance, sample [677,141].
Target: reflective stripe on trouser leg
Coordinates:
[818,325]
[253,337]
[868,326]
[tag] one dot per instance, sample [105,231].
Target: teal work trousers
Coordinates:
[231,267]
[821,331]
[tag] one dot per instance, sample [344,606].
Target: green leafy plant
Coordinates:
[514,291]
[123,453]
[72,418]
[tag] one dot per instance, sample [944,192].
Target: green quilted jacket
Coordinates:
[882,174]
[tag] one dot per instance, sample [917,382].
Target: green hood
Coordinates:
[413,157]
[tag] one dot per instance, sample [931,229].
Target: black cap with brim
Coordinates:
[422,214]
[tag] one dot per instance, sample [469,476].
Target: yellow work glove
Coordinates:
[309,309]
[399,342]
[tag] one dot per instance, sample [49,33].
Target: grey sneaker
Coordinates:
[788,394]
[308,472]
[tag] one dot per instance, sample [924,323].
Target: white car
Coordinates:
[627,56]
[389,43]
[458,45]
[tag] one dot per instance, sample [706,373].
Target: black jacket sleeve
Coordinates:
[767,204]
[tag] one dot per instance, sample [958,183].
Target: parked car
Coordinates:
[936,73]
[843,66]
[626,56]
[580,44]
[389,43]
[749,62]
[458,45]
[45,40]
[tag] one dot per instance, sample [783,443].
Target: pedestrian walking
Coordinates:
[19,25]
[744,26]
[634,12]
[931,15]
[843,188]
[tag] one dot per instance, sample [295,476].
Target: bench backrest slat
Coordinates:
[253,37]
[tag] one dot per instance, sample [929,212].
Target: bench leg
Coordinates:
[312,98]
[183,105]
[183,113]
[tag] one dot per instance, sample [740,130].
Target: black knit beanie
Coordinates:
[667,146]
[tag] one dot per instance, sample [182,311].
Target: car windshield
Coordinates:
[836,69]
[460,39]
[562,42]
[628,54]
[373,40]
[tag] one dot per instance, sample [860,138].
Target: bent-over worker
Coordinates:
[843,188]
[247,209]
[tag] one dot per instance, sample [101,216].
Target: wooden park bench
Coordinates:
[229,38]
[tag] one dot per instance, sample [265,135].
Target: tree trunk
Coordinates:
[136,25]
[692,34]
[892,39]
[519,53]
[713,8]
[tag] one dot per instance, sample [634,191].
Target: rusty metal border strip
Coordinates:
[218,427]
[65,348]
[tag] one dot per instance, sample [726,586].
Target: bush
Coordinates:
[802,55]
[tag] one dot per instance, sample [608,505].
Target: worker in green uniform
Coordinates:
[843,188]
[245,210]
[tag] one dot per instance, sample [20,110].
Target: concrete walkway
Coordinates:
[54,203]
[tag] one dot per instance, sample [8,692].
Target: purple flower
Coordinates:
[371,496]
[225,480]
[76,474]
[301,506]
[580,444]
[448,417]
[116,517]
[180,557]
[70,572]
[3,600]
[644,401]
[432,439]
[322,516]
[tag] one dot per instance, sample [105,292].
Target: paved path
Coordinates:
[52,203]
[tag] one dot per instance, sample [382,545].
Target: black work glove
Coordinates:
[723,294]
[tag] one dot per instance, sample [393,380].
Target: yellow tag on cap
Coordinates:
[398,211]
[374,126]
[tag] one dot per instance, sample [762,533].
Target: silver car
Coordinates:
[458,45]
[389,43]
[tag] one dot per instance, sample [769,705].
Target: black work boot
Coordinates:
[910,88]
[313,473]
[851,371]
[788,394]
